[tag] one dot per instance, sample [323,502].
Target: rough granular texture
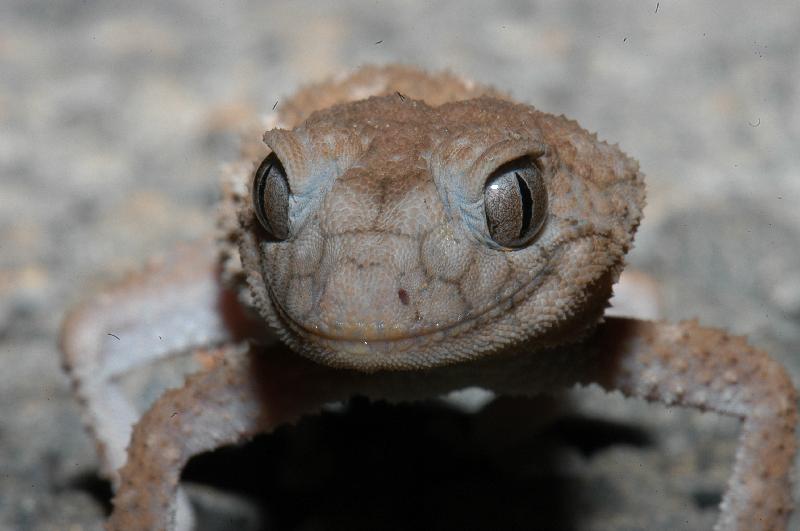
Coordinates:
[113,114]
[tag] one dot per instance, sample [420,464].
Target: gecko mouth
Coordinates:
[357,340]
[372,333]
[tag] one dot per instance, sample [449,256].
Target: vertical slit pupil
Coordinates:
[527,204]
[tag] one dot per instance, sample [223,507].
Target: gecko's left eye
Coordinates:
[271,197]
[515,202]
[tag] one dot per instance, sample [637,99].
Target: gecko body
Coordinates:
[401,235]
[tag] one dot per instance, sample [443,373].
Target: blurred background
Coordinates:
[115,118]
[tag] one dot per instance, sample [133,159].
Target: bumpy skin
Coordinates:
[393,203]
[390,285]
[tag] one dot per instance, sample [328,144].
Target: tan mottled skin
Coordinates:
[390,285]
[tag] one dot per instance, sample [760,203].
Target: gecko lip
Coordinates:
[362,338]
[363,333]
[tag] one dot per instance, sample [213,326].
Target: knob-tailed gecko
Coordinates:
[401,235]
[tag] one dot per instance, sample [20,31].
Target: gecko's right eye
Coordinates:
[515,202]
[271,197]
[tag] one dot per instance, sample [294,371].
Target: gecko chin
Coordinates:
[400,354]
[368,356]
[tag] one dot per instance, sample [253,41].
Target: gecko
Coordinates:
[399,235]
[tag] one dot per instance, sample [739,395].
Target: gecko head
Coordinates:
[390,234]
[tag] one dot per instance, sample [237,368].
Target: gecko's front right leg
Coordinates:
[689,365]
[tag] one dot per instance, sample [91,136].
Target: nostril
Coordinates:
[403,296]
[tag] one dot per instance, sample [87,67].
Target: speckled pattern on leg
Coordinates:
[686,364]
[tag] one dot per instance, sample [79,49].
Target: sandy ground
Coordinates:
[115,118]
